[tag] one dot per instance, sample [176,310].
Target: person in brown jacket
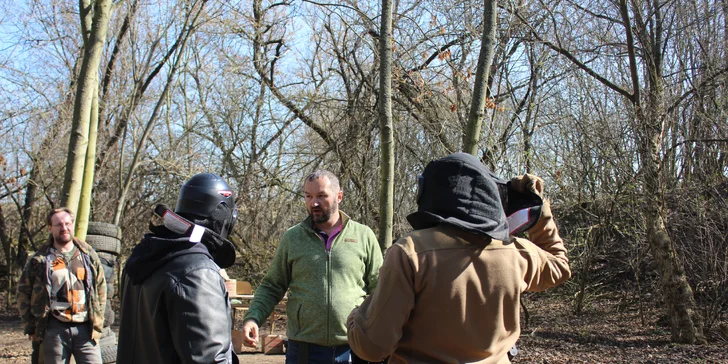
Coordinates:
[449,291]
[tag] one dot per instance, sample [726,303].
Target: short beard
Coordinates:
[326,215]
[61,242]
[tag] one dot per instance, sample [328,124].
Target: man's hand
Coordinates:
[34,338]
[528,182]
[250,333]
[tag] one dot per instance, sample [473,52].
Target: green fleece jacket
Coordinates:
[324,287]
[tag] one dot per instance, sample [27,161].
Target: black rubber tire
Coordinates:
[108,346]
[106,244]
[108,271]
[108,267]
[108,337]
[108,354]
[108,259]
[110,289]
[104,229]
[109,314]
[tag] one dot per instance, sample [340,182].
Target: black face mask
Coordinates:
[223,219]
[221,249]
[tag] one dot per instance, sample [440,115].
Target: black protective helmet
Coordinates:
[207,196]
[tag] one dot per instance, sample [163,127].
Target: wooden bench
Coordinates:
[243,298]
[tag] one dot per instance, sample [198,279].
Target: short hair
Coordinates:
[59,210]
[324,173]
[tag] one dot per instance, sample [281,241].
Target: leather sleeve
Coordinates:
[199,318]
[548,265]
[375,327]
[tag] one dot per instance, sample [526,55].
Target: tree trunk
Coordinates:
[84,205]
[482,74]
[5,239]
[686,323]
[25,237]
[386,180]
[649,129]
[7,250]
[86,87]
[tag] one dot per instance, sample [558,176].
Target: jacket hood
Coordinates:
[156,249]
[460,191]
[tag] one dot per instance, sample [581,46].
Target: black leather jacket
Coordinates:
[175,308]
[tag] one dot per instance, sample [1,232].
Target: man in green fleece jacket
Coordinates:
[329,264]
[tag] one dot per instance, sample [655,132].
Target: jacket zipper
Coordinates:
[328,297]
[328,283]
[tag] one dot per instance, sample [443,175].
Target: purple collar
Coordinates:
[328,239]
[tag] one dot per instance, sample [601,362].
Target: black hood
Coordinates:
[162,245]
[460,191]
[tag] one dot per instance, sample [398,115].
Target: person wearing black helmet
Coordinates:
[174,305]
[461,271]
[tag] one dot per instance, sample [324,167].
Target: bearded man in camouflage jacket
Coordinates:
[62,295]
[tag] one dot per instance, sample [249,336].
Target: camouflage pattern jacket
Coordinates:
[34,289]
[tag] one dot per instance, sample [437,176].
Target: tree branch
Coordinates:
[575,61]
[440,50]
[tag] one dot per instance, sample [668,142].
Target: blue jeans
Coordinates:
[318,354]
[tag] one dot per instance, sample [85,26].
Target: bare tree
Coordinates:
[482,76]
[99,13]
[644,45]
[188,28]
[386,179]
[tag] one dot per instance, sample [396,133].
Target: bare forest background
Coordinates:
[619,105]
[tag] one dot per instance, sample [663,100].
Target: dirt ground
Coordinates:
[608,332]
[16,349]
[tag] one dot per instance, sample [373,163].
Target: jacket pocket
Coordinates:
[296,321]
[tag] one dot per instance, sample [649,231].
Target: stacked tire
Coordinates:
[105,238]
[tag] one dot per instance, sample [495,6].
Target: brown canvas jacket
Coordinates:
[448,296]
[34,290]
